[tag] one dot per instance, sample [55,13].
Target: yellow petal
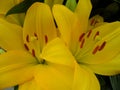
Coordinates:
[83,10]
[54,77]
[68,24]
[84,80]
[14,18]
[39,27]
[102,45]
[52,2]
[10,36]
[29,85]
[56,52]
[107,68]
[5,5]
[15,67]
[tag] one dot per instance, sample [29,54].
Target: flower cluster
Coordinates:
[58,49]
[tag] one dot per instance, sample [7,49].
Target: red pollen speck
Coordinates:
[82,43]
[89,33]
[27,38]
[26,47]
[33,52]
[46,39]
[102,46]
[81,36]
[95,50]
[97,33]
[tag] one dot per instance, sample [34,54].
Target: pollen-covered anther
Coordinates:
[95,50]
[27,38]
[36,36]
[97,34]
[82,43]
[46,39]
[26,47]
[89,33]
[33,52]
[93,22]
[81,36]
[102,46]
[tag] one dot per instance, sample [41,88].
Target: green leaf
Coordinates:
[71,4]
[104,82]
[22,7]
[115,82]
[16,87]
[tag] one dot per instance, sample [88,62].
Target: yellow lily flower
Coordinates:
[35,57]
[5,5]
[96,49]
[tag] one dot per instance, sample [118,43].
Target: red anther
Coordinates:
[92,22]
[95,50]
[33,52]
[81,36]
[97,33]
[36,35]
[89,33]
[27,38]
[102,46]
[26,47]
[82,43]
[46,39]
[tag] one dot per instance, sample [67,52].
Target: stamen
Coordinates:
[92,21]
[102,46]
[81,36]
[97,33]
[46,39]
[27,38]
[26,47]
[89,33]
[82,43]
[36,36]
[95,50]
[33,52]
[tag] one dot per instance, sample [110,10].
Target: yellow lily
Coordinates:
[95,49]
[38,60]
[5,5]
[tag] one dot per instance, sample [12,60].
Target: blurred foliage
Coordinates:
[109,9]
[22,7]
[115,82]
[16,87]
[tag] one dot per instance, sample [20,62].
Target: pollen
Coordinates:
[89,33]
[27,38]
[97,34]
[36,36]
[33,52]
[82,43]
[95,50]
[46,39]
[102,46]
[26,47]
[81,36]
